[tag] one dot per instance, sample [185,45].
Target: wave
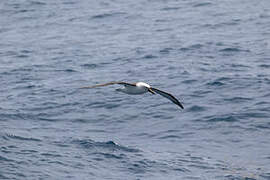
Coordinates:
[21,138]
[170,8]
[108,145]
[107,15]
[90,66]
[222,118]
[202,4]
[197,108]
[233,49]
[191,47]
[238,99]
[216,83]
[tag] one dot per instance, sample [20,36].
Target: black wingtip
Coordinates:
[181,106]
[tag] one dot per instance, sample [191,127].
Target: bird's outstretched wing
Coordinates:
[169,96]
[107,84]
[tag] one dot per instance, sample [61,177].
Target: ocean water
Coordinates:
[214,56]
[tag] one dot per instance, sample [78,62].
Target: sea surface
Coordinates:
[214,56]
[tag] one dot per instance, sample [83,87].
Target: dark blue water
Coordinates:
[214,56]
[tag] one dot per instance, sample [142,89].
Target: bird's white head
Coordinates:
[145,86]
[142,84]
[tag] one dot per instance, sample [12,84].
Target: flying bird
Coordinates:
[138,88]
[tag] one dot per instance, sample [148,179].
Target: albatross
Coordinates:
[138,88]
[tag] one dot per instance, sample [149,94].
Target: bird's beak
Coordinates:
[151,91]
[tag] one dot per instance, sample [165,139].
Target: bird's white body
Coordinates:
[139,88]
